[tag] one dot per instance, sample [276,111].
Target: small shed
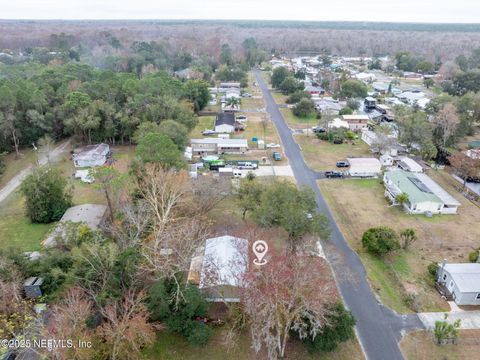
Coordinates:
[92,155]
[33,287]
[408,164]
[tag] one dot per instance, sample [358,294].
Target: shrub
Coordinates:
[199,334]
[47,195]
[323,136]
[297,96]
[380,240]
[432,270]
[473,256]
[345,111]
[445,332]
[2,166]
[304,108]
[340,329]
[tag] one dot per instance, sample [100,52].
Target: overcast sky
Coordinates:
[461,11]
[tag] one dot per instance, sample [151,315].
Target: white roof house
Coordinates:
[91,155]
[409,164]
[91,215]
[210,146]
[364,167]
[461,282]
[338,123]
[219,267]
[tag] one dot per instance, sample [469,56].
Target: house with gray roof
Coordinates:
[425,196]
[459,282]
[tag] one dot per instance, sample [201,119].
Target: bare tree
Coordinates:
[464,166]
[131,225]
[208,192]
[68,321]
[126,329]
[288,294]
[447,120]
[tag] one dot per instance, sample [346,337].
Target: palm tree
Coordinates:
[232,102]
[401,198]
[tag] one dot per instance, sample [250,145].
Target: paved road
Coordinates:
[15,182]
[378,328]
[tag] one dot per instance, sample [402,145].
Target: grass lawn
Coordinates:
[252,104]
[358,205]
[13,166]
[16,230]
[279,97]
[297,122]
[204,122]
[170,346]
[420,345]
[322,155]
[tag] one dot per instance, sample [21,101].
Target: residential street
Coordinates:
[15,182]
[378,328]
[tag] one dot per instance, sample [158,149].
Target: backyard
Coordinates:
[322,155]
[401,279]
[420,345]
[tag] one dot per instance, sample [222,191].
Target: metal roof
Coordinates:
[401,180]
[466,276]
[438,190]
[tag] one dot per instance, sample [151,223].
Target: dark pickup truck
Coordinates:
[333,174]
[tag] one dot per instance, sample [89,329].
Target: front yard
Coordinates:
[322,155]
[401,279]
[296,122]
[420,345]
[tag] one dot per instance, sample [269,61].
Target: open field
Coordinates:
[16,230]
[296,122]
[204,122]
[358,205]
[322,155]
[279,97]
[420,345]
[170,346]
[252,104]
[13,166]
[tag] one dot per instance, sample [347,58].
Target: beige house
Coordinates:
[356,122]
[209,146]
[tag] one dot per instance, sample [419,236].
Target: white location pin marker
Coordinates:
[260,249]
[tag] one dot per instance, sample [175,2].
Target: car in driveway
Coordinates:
[333,174]
[276,156]
[318,129]
[272,145]
[342,163]
[208,132]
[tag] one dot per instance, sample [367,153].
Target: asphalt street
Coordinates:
[378,328]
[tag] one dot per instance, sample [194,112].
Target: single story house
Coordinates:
[370,102]
[356,122]
[380,87]
[425,196]
[328,106]
[229,85]
[460,282]
[218,268]
[314,90]
[93,215]
[365,77]
[91,155]
[364,167]
[338,123]
[225,122]
[209,146]
[408,164]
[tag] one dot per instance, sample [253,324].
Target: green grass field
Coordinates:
[204,122]
[298,122]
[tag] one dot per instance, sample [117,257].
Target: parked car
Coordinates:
[241,117]
[272,145]
[208,132]
[247,165]
[247,95]
[333,174]
[318,129]
[277,156]
[342,163]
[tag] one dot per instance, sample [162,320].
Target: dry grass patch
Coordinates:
[358,205]
[322,155]
[420,345]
